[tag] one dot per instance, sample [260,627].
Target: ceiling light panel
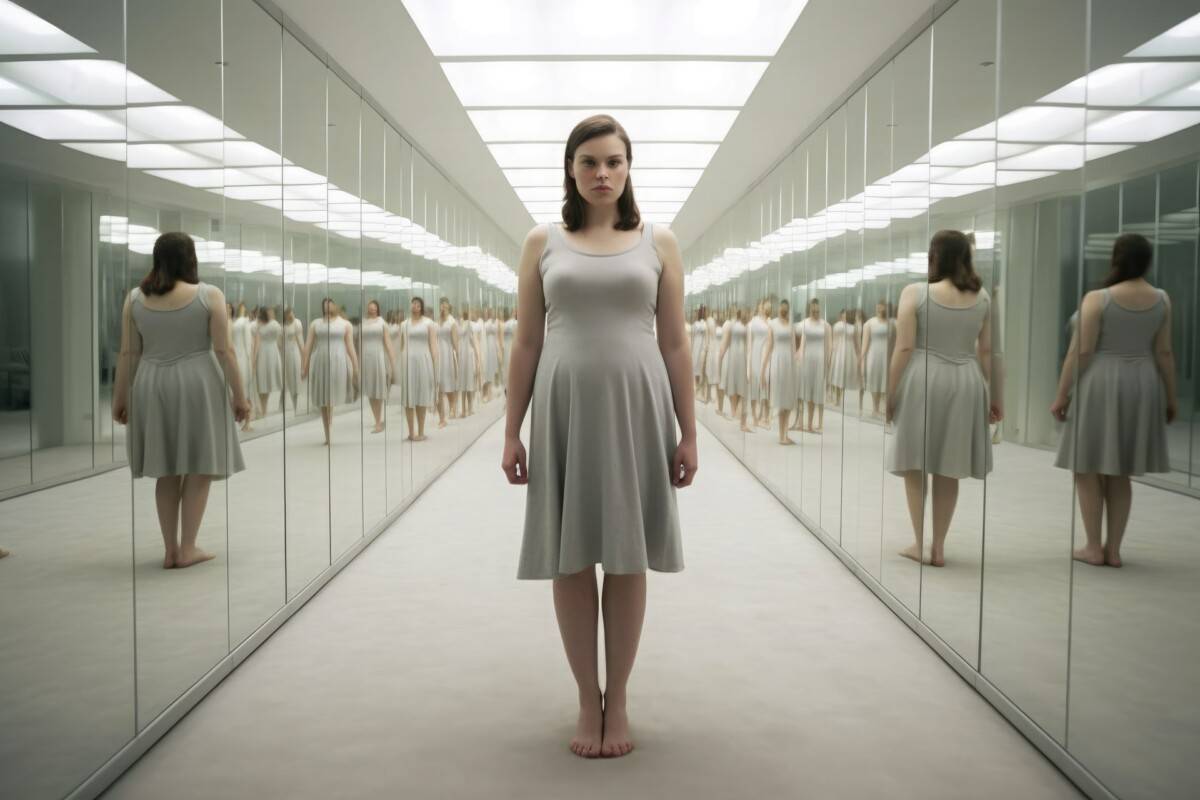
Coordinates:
[611,83]
[576,27]
[655,154]
[642,125]
[23,33]
[58,124]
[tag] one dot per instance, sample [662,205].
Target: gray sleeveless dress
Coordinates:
[466,356]
[698,330]
[329,365]
[510,333]
[447,377]
[812,362]
[491,351]
[602,425]
[781,372]
[875,368]
[418,388]
[942,401]
[291,360]
[180,420]
[374,369]
[1116,423]
[759,331]
[736,382]
[268,370]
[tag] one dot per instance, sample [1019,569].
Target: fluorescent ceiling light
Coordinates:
[175,123]
[57,124]
[609,83]
[576,27]
[23,33]
[962,153]
[642,125]
[170,156]
[1042,124]
[1142,125]
[651,155]
[111,150]
[1127,84]
[1181,40]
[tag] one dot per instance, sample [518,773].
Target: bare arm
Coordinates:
[387,348]
[1067,376]
[767,353]
[350,351]
[677,354]
[1164,357]
[433,345]
[306,351]
[906,339]
[526,350]
[254,349]
[127,361]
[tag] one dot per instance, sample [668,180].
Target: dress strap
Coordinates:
[1106,296]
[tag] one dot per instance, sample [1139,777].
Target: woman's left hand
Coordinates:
[684,463]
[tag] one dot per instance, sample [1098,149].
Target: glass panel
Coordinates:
[393,263]
[831,291]
[377,360]
[810,395]
[16,356]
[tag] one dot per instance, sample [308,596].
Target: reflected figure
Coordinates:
[778,371]
[329,354]
[735,360]
[760,333]
[877,337]
[724,326]
[510,333]
[418,341]
[243,349]
[265,355]
[447,376]
[490,337]
[940,374]
[815,338]
[293,344]
[468,363]
[1124,399]
[477,328]
[699,336]
[843,370]
[377,361]
[175,346]
[711,333]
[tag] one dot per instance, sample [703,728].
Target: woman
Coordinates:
[778,370]
[876,342]
[468,362]
[268,363]
[815,336]
[175,344]
[418,341]
[242,350]
[938,387]
[330,353]
[510,332]
[723,326]
[1125,396]
[759,331]
[447,374]
[603,462]
[377,360]
[735,359]
[699,335]
[843,371]
[710,359]
[293,338]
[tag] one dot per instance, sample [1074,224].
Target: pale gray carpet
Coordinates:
[426,670]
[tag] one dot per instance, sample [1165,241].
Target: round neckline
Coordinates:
[1113,301]
[169,310]
[562,235]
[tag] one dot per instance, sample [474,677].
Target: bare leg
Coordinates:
[327,420]
[720,402]
[945,498]
[421,423]
[195,498]
[1118,499]
[167,492]
[577,604]
[377,410]
[783,426]
[820,419]
[624,606]
[1090,489]
[914,493]
[740,412]
[408,417]
[262,404]
[441,410]
[875,398]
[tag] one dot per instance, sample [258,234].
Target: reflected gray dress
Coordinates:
[781,374]
[843,370]
[812,362]
[875,368]
[374,368]
[941,404]
[466,357]
[268,371]
[418,388]
[714,351]
[723,365]
[602,426]
[242,350]
[397,355]
[698,351]
[1116,423]
[759,331]
[291,355]
[510,333]
[447,377]
[180,420]
[491,351]
[736,381]
[329,364]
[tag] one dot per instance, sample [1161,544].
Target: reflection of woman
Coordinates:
[293,338]
[759,332]
[268,367]
[477,328]
[778,369]
[491,351]
[510,333]
[468,359]
[329,353]
[377,360]
[876,341]
[843,371]
[418,340]
[735,359]
[937,387]
[447,376]
[1125,396]
[724,326]
[242,350]
[710,360]
[815,336]
[175,344]
[699,333]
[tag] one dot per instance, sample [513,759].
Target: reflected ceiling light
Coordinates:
[535,155]
[59,124]
[1142,125]
[175,123]
[110,150]
[23,33]
[642,125]
[610,83]
[962,153]
[74,81]
[170,156]
[1181,40]
[1042,124]
[1127,84]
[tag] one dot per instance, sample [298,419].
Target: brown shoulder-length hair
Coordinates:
[174,260]
[1132,254]
[573,202]
[950,259]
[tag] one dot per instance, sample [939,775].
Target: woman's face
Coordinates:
[372,310]
[814,311]
[783,310]
[879,309]
[415,308]
[445,307]
[600,169]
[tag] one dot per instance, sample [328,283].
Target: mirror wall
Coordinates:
[321,225]
[1043,131]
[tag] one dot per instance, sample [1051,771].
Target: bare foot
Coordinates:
[1089,555]
[3,552]
[420,438]
[408,437]
[747,429]
[169,560]
[589,729]
[186,559]
[815,431]
[786,440]
[912,552]
[937,557]
[377,429]
[617,741]
[1112,559]
[442,424]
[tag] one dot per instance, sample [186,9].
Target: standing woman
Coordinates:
[468,362]
[293,344]
[760,332]
[1125,397]
[175,345]
[712,349]
[938,387]
[418,340]
[815,338]
[699,333]
[779,368]
[491,352]
[603,460]
[477,329]
[876,342]
[736,360]
[447,374]
[377,360]
[268,363]
[510,331]
[721,336]
[243,349]
[330,354]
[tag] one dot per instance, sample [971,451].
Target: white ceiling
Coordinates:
[832,44]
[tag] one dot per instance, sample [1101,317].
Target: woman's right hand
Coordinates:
[120,412]
[514,458]
[241,409]
[1172,411]
[1059,408]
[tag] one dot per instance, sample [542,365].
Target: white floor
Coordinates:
[426,670]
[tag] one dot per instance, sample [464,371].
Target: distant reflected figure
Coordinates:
[175,344]
[876,342]
[329,353]
[418,340]
[1125,397]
